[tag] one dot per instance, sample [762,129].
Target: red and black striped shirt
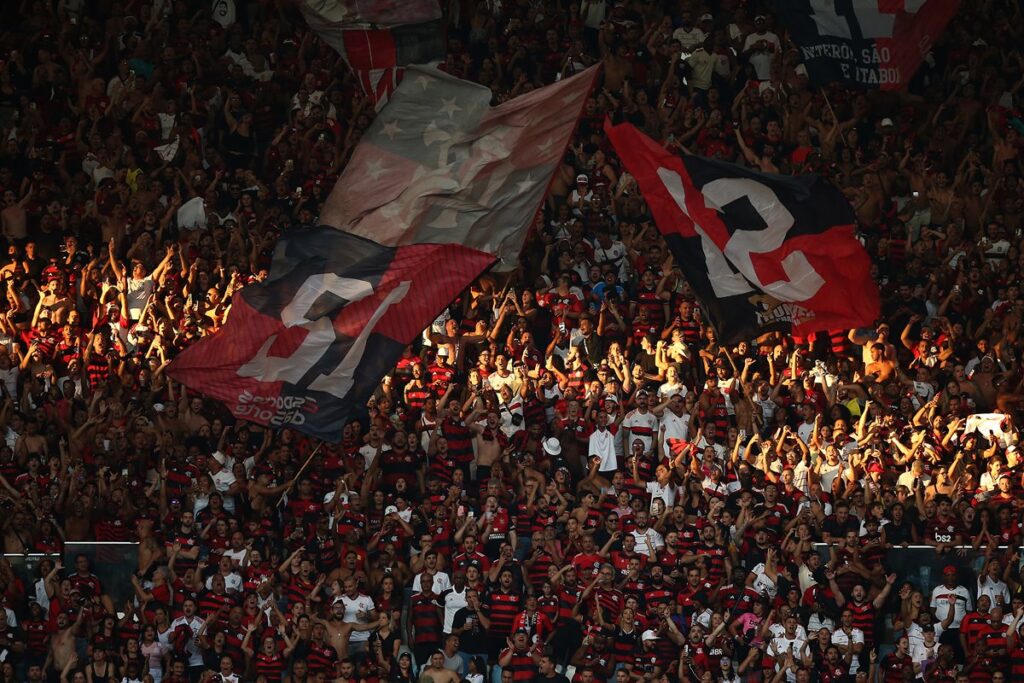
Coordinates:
[502,609]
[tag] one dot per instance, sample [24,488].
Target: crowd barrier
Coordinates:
[113,563]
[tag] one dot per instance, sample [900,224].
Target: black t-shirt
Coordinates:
[557,678]
[473,640]
[839,529]
[899,533]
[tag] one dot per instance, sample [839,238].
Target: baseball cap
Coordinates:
[950,569]
[390,509]
[582,178]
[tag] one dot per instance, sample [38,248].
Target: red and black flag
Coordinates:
[377,38]
[762,252]
[441,187]
[305,347]
[872,43]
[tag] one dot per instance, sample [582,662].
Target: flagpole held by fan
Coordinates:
[299,473]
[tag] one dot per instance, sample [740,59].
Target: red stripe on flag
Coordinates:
[370,49]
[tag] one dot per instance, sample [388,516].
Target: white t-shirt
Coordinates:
[195,656]
[762,584]
[361,603]
[453,601]
[689,39]
[780,645]
[602,443]
[370,452]
[920,653]
[139,290]
[667,390]
[666,493]
[997,591]
[645,423]
[232,583]
[856,636]
[648,543]
[940,603]
[676,427]
[915,635]
[223,481]
[614,255]
[441,583]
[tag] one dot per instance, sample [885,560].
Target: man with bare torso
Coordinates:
[434,672]
[62,644]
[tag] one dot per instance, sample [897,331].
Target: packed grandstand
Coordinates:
[607,447]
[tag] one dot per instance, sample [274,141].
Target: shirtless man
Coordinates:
[880,367]
[435,671]
[351,612]
[13,216]
[62,645]
[881,336]
[489,443]
[987,378]
[338,631]
[31,442]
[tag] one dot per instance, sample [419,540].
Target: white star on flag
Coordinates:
[390,129]
[423,81]
[525,185]
[450,107]
[544,148]
[375,169]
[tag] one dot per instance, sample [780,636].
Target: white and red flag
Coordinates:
[439,164]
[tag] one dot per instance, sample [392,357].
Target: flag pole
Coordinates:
[299,473]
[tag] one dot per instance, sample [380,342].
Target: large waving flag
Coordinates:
[433,196]
[872,43]
[440,165]
[763,252]
[377,38]
[303,348]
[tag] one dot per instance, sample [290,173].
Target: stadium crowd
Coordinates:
[569,476]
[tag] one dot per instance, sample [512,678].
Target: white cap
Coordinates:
[887,122]
[390,509]
[552,446]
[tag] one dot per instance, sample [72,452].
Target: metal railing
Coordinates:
[113,563]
